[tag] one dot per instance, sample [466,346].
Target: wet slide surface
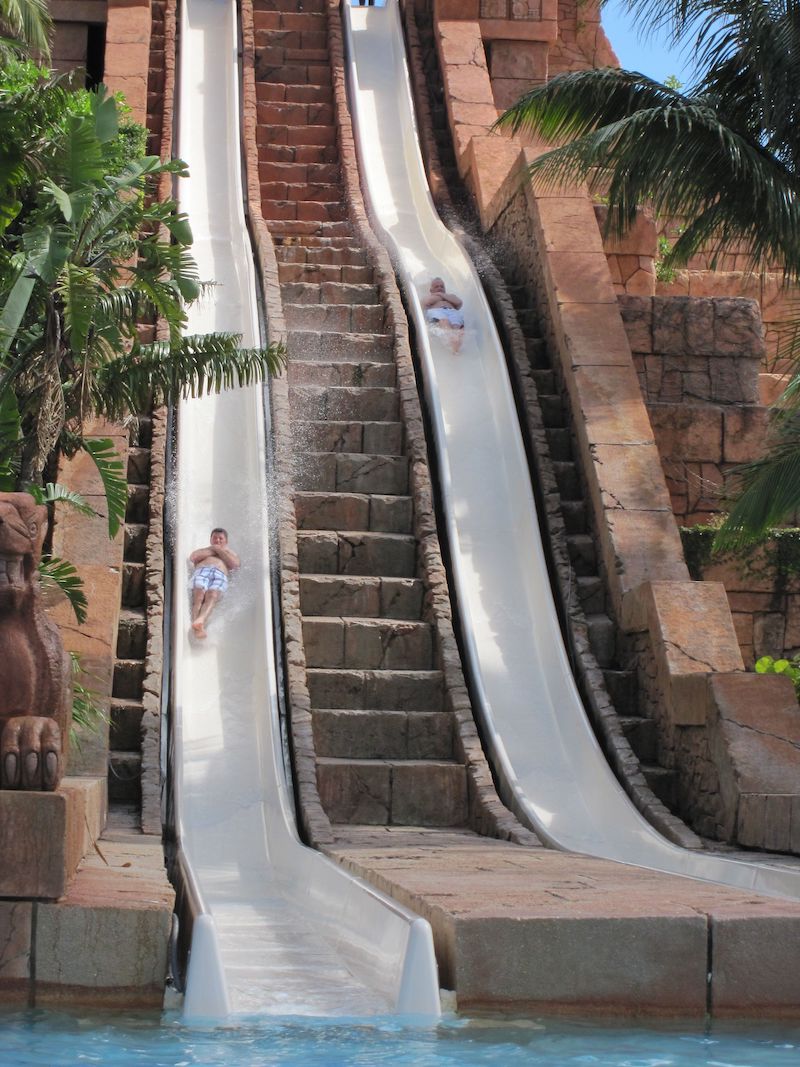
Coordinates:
[283,929]
[550,767]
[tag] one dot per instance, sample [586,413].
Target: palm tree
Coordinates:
[25,27]
[85,259]
[725,155]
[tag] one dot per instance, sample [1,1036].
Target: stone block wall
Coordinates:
[698,362]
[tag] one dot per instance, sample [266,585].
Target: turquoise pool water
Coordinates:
[43,1039]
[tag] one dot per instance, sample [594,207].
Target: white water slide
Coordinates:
[278,927]
[549,765]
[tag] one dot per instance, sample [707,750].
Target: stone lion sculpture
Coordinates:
[35,674]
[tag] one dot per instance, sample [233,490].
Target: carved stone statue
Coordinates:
[35,675]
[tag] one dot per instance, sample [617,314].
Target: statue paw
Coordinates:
[30,753]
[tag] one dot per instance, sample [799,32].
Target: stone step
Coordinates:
[350,472]
[361,596]
[303,211]
[290,153]
[297,136]
[280,69]
[133,584]
[537,353]
[339,318]
[124,777]
[138,509]
[591,594]
[299,173]
[280,113]
[132,634]
[354,511]
[300,94]
[568,479]
[552,410]
[319,251]
[300,230]
[545,381]
[263,11]
[623,688]
[128,679]
[138,465]
[317,192]
[126,725]
[574,515]
[602,638]
[345,403]
[345,733]
[319,273]
[397,793]
[329,293]
[582,554]
[642,736]
[341,372]
[310,345]
[528,319]
[664,784]
[135,548]
[368,644]
[559,441]
[378,554]
[384,690]
[379,438]
[141,431]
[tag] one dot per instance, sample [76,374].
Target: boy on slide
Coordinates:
[210,577]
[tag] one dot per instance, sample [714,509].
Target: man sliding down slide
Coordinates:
[210,578]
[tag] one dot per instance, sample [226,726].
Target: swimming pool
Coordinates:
[49,1039]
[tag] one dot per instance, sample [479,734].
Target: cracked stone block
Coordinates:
[324,642]
[401,598]
[355,792]
[349,733]
[328,436]
[430,735]
[428,794]
[391,514]
[318,552]
[333,595]
[379,644]
[332,511]
[383,438]
[15,949]
[372,474]
[389,555]
[314,471]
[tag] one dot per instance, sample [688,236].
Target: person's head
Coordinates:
[437,285]
[219,536]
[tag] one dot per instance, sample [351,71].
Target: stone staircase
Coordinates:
[620,680]
[383,734]
[125,740]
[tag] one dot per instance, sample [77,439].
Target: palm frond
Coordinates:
[62,575]
[55,493]
[112,475]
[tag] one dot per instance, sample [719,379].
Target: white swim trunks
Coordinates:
[454,316]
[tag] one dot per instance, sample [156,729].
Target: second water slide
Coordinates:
[276,926]
[550,768]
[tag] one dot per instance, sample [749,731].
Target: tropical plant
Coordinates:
[789,667]
[724,155]
[87,257]
[25,27]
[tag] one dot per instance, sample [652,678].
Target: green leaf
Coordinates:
[55,493]
[60,573]
[112,475]
[106,117]
[14,311]
[60,197]
[780,666]
[764,665]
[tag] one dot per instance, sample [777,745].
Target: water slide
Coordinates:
[277,927]
[548,763]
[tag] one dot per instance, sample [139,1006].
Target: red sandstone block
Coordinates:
[270,91]
[314,41]
[286,172]
[315,153]
[309,55]
[310,135]
[303,21]
[269,56]
[309,94]
[274,191]
[266,20]
[287,74]
[319,74]
[279,209]
[271,135]
[314,211]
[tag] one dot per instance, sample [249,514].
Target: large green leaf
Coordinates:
[13,311]
[55,493]
[59,572]
[112,475]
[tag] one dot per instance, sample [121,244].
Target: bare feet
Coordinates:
[199,629]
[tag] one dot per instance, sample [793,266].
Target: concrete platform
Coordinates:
[536,930]
[104,944]
[44,836]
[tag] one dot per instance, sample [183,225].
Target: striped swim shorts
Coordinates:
[210,578]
